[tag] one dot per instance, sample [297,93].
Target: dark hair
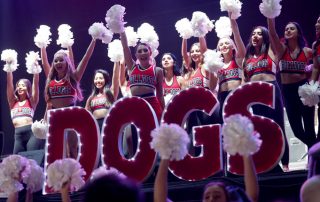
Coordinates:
[301,40]
[232,192]
[222,185]
[143,44]
[106,88]
[111,187]
[176,68]
[250,50]
[193,64]
[28,85]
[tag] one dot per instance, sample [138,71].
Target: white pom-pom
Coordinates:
[170,141]
[270,8]
[201,24]
[34,181]
[13,169]
[213,61]
[132,36]
[65,36]
[61,171]
[98,31]
[223,27]
[39,129]
[114,18]
[309,93]
[184,28]
[42,39]
[148,35]
[32,64]
[115,51]
[101,171]
[10,57]
[232,6]
[239,136]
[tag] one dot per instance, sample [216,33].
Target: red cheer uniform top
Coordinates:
[61,89]
[172,89]
[259,65]
[25,110]
[99,102]
[198,80]
[143,77]
[232,72]
[289,65]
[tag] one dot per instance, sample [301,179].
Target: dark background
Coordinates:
[19,20]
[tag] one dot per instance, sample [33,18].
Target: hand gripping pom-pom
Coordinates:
[239,136]
[170,141]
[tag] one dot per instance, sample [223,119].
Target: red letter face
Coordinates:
[138,112]
[207,137]
[239,102]
[81,121]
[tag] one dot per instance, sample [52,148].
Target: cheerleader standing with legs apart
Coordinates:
[23,100]
[293,57]
[145,78]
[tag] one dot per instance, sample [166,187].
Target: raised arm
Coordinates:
[161,183]
[276,44]
[316,65]
[115,80]
[159,88]
[35,91]
[184,52]
[122,74]
[241,49]
[45,62]
[85,60]
[126,51]
[203,44]
[250,179]
[10,89]
[71,56]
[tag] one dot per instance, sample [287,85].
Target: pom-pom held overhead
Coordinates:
[148,35]
[309,93]
[114,18]
[232,6]
[270,8]
[32,63]
[223,27]
[213,61]
[13,169]
[201,24]
[184,28]
[39,129]
[239,136]
[170,141]
[98,31]
[115,51]
[65,36]
[61,171]
[132,36]
[42,39]
[10,57]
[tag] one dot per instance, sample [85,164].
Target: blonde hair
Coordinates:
[70,69]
